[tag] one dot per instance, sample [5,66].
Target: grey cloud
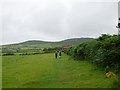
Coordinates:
[93,18]
[57,20]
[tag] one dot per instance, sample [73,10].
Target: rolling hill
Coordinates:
[46,44]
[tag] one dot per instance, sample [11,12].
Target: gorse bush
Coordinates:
[104,51]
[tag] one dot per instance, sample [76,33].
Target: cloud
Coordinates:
[56,20]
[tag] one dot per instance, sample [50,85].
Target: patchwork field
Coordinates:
[44,71]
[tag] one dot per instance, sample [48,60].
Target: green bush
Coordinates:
[104,51]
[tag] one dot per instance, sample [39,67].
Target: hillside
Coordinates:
[45,44]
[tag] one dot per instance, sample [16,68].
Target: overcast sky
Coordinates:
[55,20]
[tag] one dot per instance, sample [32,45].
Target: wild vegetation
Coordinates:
[104,52]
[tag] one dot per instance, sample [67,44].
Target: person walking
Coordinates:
[60,54]
[56,54]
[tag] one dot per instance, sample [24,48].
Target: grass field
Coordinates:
[44,71]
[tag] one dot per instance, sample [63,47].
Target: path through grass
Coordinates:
[44,71]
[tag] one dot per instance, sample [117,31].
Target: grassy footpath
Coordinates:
[43,71]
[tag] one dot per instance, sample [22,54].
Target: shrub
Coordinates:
[104,51]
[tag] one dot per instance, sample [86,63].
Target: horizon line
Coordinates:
[45,40]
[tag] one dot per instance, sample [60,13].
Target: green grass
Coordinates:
[44,71]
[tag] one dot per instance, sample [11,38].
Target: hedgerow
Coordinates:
[103,52]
